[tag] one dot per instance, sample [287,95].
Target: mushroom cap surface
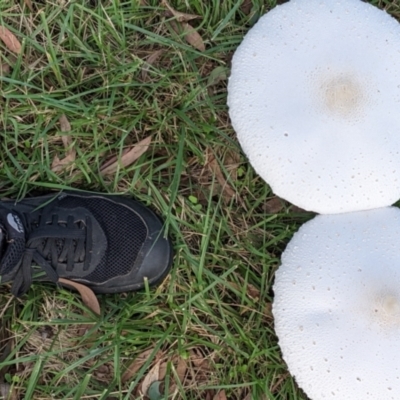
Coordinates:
[314,97]
[337,306]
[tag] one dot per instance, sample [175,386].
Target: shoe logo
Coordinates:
[15,222]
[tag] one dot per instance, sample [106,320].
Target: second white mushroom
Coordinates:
[337,306]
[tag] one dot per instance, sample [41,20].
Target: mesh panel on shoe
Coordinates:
[12,255]
[124,230]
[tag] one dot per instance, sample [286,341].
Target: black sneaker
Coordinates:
[106,242]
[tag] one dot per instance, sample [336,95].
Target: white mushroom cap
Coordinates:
[314,97]
[337,306]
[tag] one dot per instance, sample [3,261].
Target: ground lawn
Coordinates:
[92,80]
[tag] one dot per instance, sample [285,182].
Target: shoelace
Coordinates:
[49,242]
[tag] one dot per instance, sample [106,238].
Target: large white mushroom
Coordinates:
[314,97]
[337,306]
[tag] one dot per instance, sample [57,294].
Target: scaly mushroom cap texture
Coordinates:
[314,97]
[337,306]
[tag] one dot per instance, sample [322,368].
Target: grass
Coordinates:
[208,329]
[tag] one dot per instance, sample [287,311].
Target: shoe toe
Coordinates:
[156,259]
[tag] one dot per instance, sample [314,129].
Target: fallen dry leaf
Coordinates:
[127,158]
[180,366]
[231,163]
[202,366]
[134,367]
[190,34]
[227,191]
[64,124]
[151,377]
[246,6]
[7,392]
[179,16]
[280,378]
[193,37]
[150,60]
[267,312]
[251,290]
[181,370]
[163,370]
[180,25]
[88,297]
[274,205]
[104,373]
[199,360]
[29,4]
[113,159]
[4,69]
[220,395]
[58,165]
[209,394]
[10,40]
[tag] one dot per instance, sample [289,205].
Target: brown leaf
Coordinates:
[279,379]
[135,366]
[179,16]
[7,392]
[268,311]
[190,34]
[10,40]
[4,69]
[173,388]
[231,163]
[181,370]
[64,124]
[199,360]
[274,205]
[202,365]
[227,191]
[151,377]
[220,395]
[88,297]
[104,372]
[193,37]
[209,394]
[128,158]
[150,60]
[58,165]
[113,159]
[246,6]
[251,290]
[180,366]
[163,370]
[29,4]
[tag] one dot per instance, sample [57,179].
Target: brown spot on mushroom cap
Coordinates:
[342,95]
